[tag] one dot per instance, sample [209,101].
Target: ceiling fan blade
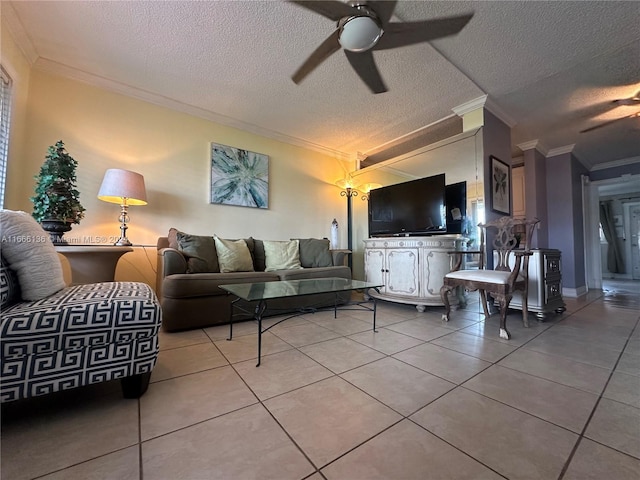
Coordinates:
[631,101]
[365,67]
[610,122]
[627,101]
[324,51]
[330,9]
[384,9]
[409,33]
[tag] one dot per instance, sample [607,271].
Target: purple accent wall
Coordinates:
[496,141]
[560,213]
[564,214]
[615,172]
[535,174]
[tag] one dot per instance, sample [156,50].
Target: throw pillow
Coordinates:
[281,255]
[172,238]
[29,252]
[9,286]
[259,261]
[314,252]
[251,245]
[200,252]
[233,255]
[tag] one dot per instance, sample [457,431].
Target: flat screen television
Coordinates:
[416,207]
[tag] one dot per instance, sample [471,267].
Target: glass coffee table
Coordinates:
[263,292]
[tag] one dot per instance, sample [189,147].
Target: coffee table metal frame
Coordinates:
[265,291]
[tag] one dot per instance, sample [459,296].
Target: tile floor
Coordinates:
[419,399]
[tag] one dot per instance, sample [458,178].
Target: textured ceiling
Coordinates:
[550,68]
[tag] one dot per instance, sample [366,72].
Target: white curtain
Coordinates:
[615,262]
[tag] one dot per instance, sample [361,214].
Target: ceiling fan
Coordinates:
[634,100]
[364,26]
[629,102]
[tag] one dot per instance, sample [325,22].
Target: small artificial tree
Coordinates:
[57,198]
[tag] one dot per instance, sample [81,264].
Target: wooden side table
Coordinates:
[92,263]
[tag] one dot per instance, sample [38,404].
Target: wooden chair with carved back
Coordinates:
[503,281]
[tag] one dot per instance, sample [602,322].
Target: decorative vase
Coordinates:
[334,234]
[56,229]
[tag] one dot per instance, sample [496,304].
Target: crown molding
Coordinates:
[162,101]
[487,103]
[387,165]
[18,33]
[403,138]
[470,106]
[616,163]
[533,144]
[560,150]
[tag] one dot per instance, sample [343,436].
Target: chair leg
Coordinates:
[525,310]
[504,306]
[444,295]
[135,385]
[483,299]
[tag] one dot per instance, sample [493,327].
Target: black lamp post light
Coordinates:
[349,191]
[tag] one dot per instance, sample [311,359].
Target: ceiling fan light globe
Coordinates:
[359,34]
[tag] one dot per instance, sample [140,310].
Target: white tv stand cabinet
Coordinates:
[411,268]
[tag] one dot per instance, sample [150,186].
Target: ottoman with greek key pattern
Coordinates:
[80,335]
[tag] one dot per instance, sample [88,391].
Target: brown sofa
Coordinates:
[191,297]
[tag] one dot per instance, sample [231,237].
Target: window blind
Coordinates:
[5,119]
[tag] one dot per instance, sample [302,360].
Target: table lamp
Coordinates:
[125,188]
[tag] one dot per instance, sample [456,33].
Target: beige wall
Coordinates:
[104,130]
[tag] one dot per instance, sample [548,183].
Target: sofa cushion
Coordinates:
[207,284]
[200,251]
[81,316]
[233,255]
[30,253]
[314,252]
[9,285]
[281,255]
[319,272]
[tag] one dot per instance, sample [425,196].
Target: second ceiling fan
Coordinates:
[627,102]
[364,27]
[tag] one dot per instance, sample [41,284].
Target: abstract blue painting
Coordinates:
[239,177]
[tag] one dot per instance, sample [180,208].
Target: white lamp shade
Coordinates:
[123,187]
[360,34]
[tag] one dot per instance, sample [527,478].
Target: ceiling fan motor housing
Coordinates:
[360,33]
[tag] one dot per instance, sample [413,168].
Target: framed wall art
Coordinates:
[500,186]
[239,177]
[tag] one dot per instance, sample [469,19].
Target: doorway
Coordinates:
[632,238]
[627,189]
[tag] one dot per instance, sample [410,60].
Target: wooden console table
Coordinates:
[92,263]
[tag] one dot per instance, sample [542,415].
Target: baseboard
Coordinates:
[574,292]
